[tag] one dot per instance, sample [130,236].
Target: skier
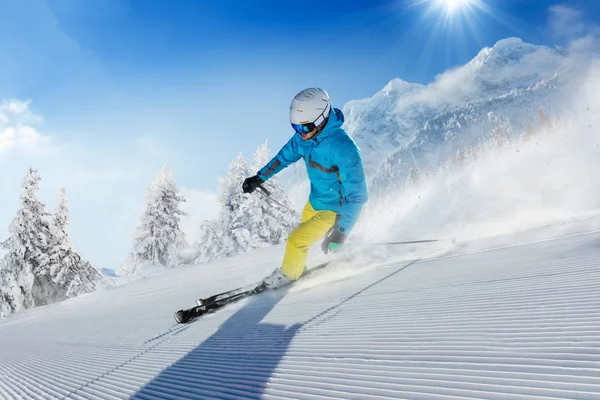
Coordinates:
[338,186]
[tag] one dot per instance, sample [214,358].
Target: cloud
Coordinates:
[569,23]
[17,128]
[566,22]
[14,106]
[582,35]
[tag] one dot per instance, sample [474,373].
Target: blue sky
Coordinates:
[116,88]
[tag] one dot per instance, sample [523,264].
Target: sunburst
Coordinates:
[451,7]
[456,16]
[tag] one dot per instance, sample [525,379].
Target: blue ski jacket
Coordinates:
[335,170]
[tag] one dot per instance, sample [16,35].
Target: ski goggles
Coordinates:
[303,129]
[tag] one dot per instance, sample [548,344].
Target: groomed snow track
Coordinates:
[514,323]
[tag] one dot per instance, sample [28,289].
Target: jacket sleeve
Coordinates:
[354,184]
[289,153]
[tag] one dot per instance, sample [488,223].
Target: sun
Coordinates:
[455,23]
[454,9]
[453,12]
[453,5]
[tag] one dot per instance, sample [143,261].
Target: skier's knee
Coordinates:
[295,239]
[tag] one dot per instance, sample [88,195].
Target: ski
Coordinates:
[184,316]
[229,293]
[217,301]
[248,288]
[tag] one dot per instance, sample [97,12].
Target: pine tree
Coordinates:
[230,188]
[27,249]
[231,241]
[268,220]
[210,242]
[40,266]
[60,219]
[246,221]
[261,157]
[158,238]
[71,274]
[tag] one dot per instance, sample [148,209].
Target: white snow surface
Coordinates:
[507,317]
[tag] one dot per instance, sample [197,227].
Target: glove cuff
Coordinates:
[336,236]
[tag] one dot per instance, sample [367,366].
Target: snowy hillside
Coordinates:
[497,159]
[473,321]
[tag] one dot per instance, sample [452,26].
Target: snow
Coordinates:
[504,305]
[40,266]
[515,316]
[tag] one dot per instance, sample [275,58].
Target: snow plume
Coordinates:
[510,64]
[547,172]
[159,238]
[246,221]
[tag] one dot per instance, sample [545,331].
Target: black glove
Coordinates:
[250,184]
[333,242]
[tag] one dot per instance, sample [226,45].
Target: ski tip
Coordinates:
[180,317]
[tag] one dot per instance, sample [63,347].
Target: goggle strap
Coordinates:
[322,117]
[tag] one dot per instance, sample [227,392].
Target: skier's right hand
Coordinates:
[250,184]
[334,241]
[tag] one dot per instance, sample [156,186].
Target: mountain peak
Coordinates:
[398,86]
[505,51]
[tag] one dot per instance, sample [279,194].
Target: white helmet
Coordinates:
[309,109]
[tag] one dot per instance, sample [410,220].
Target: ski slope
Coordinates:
[512,317]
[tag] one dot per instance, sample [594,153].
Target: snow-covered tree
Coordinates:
[40,266]
[231,198]
[159,237]
[231,195]
[27,248]
[210,242]
[60,219]
[67,271]
[268,220]
[261,157]
[246,221]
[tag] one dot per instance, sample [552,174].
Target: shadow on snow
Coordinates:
[239,359]
[235,362]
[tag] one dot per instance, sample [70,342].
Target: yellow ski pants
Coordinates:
[313,226]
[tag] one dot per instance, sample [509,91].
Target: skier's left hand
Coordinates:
[334,241]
